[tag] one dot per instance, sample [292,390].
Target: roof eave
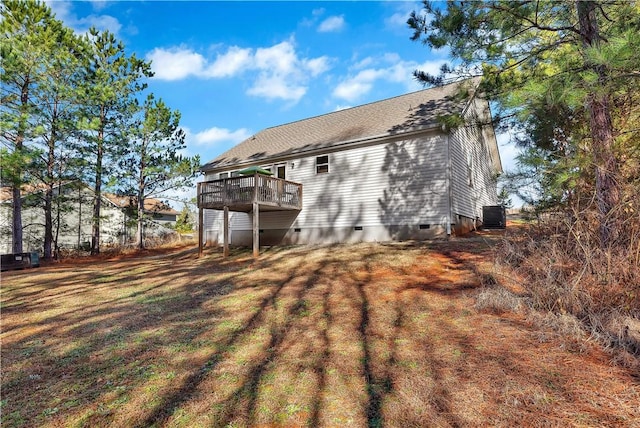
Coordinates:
[343,145]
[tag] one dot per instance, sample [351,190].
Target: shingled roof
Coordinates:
[151,205]
[405,113]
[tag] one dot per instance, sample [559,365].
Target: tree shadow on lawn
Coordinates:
[94,339]
[365,335]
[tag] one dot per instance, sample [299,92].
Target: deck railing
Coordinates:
[242,192]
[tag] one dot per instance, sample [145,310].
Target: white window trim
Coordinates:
[322,164]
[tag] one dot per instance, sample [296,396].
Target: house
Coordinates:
[158,211]
[73,217]
[388,170]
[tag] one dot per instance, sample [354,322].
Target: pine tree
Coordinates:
[558,70]
[111,82]
[26,28]
[154,165]
[55,126]
[504,198]
[184,222]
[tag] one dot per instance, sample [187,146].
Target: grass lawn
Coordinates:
[346,335]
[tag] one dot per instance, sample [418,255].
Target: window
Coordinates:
[322,164]
[235,174]
[223,175]
[280,171]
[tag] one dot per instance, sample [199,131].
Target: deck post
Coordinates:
[256,229]
[200,220]
[225,251]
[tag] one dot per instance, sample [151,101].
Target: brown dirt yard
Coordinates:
[362,335]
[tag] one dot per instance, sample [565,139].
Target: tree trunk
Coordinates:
[97,201]
[48,196]
[79,218]
[48,222]
[141,193]
[140,233]
[606,164]
[604,159]
[16,244]
[56,236]
[16,185]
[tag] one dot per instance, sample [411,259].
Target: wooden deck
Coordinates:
[253,193]
[240,193]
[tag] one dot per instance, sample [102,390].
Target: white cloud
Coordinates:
[352,89]
[273,87]
[176,63]
[431,67]
[101,22]
[341,107]
[317,65]
[280,58]
[230,63]
[63,11]
[397,21]
[282,74]
[315,16]
[278,72]
[363,63]
[99,4]
[219,135]
[332,24]
[391,68]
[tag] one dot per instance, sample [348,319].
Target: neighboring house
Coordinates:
[156,210]
[74,216]
[388,170]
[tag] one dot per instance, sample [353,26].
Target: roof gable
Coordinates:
[393,116]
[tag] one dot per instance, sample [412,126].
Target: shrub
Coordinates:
[566,272]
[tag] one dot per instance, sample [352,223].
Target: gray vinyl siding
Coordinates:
[383,187]
[471,160]
[396,183]
[75,223]
[212,224]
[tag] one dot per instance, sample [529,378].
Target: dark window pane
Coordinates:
[321,169]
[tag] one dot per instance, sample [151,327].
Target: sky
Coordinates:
[234,68]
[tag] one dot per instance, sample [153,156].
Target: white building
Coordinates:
[388,170]
[72,218]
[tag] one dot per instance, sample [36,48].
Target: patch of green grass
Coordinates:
[50,411]
[408,364]
[457,353]
[14,418]
[289,411]
[157,299]
[105,279]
